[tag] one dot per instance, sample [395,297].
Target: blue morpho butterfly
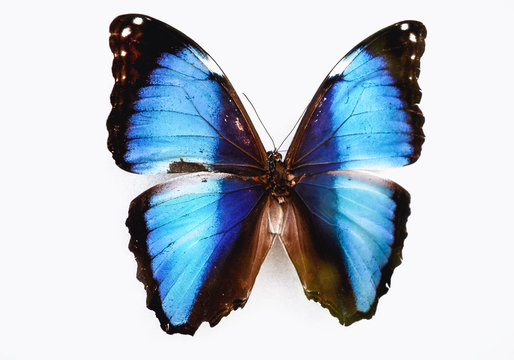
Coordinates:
[200,239]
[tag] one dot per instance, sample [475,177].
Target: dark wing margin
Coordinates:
[365,113]
[173,109]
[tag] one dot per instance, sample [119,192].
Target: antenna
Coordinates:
[294,127]
[258,117]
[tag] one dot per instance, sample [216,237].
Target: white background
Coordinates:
[68,286]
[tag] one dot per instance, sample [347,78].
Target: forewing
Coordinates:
[344,233]
[365,113]
[173,109]
[199,241]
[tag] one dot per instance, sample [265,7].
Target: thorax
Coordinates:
[278,178]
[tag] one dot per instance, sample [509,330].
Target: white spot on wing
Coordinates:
[238,124]
[123,53]
[412,37]
[404,26]
[126,32]
[137,20]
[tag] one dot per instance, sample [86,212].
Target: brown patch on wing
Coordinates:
[228,287]
[317,261]
[185,167]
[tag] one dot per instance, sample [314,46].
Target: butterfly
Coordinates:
[201,238]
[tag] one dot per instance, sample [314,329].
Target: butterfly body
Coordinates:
[278,178]
[201,238]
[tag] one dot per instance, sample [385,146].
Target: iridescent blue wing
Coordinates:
[345,234]
[199,241]
[365,113]
[173,109]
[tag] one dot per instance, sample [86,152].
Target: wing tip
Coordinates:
[121,21]
[192,328]
[406,24]
[345,318]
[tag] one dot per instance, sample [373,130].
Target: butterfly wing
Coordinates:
[199,241]
[345,234]
[365,113]
[173,109]
[346,229]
